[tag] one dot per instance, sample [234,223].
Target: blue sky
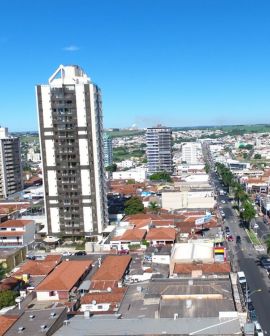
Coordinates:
[175,62]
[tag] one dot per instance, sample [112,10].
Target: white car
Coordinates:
[222,201]
[258,329]
[66,254]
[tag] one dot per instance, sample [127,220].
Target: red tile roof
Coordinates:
[161,234]
[113,268]
[6,322]
[65,276]
[11,233]
[9,283]
[115,296]
[136,235]
[205,268]
[101,285]
[37,267]
[16,223]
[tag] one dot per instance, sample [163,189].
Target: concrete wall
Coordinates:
[188,200]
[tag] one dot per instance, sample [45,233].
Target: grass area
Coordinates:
[253,237]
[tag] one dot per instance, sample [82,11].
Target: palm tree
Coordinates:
[153,207]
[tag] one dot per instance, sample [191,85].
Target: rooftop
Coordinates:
[15,223]
[131,235]
[6,322]
[65,275]
[213,268]
[112,269]
[161,234]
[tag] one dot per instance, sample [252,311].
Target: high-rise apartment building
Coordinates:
[10,164]
[71,139]
[159,149]
[190,152]
[108,151]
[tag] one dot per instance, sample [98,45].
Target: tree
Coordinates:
[161,176]
[111,168]
[7,298]
[257,156]
[249,213]
[207,168]
[153,207]
[133,206]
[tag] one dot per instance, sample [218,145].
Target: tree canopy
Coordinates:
[133,206]
[7,298]
[161,176]
[111,168]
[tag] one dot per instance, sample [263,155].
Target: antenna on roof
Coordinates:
[109,289]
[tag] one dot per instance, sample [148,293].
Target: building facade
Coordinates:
[108,151]
[10,164]
[159,149]
[71,141]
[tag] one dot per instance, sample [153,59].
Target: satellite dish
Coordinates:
[109,289]
[94,302]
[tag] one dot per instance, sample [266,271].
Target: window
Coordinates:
[99,307]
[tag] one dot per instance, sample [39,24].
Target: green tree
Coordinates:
[153,207]
[133,206]
[161,176]
[249,147]
[207,168]
[249,213]
[7,298]
[111,168]
[257,156]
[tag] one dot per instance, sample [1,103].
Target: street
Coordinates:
[245,258]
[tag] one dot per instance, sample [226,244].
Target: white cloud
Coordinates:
[71,48]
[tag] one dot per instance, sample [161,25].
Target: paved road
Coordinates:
[245,258]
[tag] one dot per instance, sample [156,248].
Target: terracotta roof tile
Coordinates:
[161,234]
[6,322]
[37,267]
[11,233]
[205,268]
[112,268]
[65,275]
[15,223]
[115,296]
[101,285]
[132,235]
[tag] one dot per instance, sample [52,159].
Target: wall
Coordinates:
[187,200]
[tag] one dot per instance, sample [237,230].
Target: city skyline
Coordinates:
[178,63]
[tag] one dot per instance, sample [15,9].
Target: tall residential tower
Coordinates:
[159,149]
[108,150]
[10,164]
[71,138]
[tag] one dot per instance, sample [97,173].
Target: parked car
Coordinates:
[258,329]
[66,254]
[80,253]
[227,229]
[123,252]
[265,262]
[238,240]
[230,237]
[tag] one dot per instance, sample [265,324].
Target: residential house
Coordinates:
[129,237]
[17,232]
[111,273]
[63,281]
[161,236]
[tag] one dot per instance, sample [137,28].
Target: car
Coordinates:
[258,329]
[80,253]
[223,201]
[230,238]
[238,240]
[227,229]
[253,316]
[241,278]
[66,254]
[123,252]
[265,262]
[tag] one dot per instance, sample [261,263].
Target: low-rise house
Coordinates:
[17,232]
[11,284]
[161,236]
[63,281]
[106,301]
[202,270]
[111,273]
[129,237]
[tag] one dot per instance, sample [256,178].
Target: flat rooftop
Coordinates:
[162,298]
[110,325]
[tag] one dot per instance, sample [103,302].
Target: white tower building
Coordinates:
[71,130]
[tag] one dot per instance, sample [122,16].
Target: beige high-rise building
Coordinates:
[10,164]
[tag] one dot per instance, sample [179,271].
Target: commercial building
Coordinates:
[10,164]
[159,149]
[71,138]
[108,151]
[190,152]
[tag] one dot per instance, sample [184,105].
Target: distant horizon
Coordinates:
[142,128]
